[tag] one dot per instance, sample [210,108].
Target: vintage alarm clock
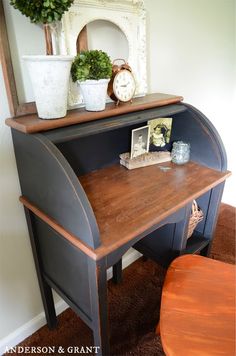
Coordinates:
[121,87]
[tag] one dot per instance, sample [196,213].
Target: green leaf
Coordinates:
[93,64]
[42,11]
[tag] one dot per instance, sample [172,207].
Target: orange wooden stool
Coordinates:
[198,308]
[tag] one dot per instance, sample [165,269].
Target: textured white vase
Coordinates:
[50,80]
[94,93]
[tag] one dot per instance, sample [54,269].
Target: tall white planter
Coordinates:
[94,93]
[50,80]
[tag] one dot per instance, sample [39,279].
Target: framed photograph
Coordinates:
[140,141]
[160,132]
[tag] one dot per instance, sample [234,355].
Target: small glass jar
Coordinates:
[180,153]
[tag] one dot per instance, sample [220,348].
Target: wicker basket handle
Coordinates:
[194,207]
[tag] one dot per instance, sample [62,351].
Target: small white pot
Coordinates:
[94,93]
[50,80]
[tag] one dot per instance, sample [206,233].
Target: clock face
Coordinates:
[124,85]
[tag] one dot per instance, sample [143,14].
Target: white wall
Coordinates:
[19,296]
[190,52]
[19,292]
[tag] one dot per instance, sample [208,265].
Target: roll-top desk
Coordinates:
[84,210]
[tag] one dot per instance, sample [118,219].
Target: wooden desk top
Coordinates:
[198,307]
[32,123]
[128,203]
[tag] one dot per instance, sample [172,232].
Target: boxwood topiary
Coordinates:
[93,64]
[42,11]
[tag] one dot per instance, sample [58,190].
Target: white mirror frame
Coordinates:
[128,15]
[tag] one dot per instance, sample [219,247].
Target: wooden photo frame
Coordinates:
[16,109]
[140,141]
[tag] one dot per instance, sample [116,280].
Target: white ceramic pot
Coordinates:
[50,80]
[94,93]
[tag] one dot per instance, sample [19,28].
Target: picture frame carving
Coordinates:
[128,15]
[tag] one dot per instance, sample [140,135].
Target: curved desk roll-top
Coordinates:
[84,210]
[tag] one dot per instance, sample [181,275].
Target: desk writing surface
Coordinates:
[126,203]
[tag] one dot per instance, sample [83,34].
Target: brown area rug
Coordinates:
[134,304]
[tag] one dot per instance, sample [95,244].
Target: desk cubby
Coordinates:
[84,210]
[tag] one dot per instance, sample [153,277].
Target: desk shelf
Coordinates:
[196,243]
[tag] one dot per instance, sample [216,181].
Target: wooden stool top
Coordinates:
[198,307]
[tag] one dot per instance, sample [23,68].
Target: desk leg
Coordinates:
[206,250]
[181,231]
[212,217]
[46,291]
[117,272]
[98,287]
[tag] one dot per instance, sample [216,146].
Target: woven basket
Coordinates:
[195,218]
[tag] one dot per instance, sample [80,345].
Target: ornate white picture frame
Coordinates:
[128,15]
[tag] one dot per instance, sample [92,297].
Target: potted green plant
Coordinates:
[92,70]
[49,73]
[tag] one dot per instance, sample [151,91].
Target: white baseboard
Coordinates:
[36,323]
[28,328]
